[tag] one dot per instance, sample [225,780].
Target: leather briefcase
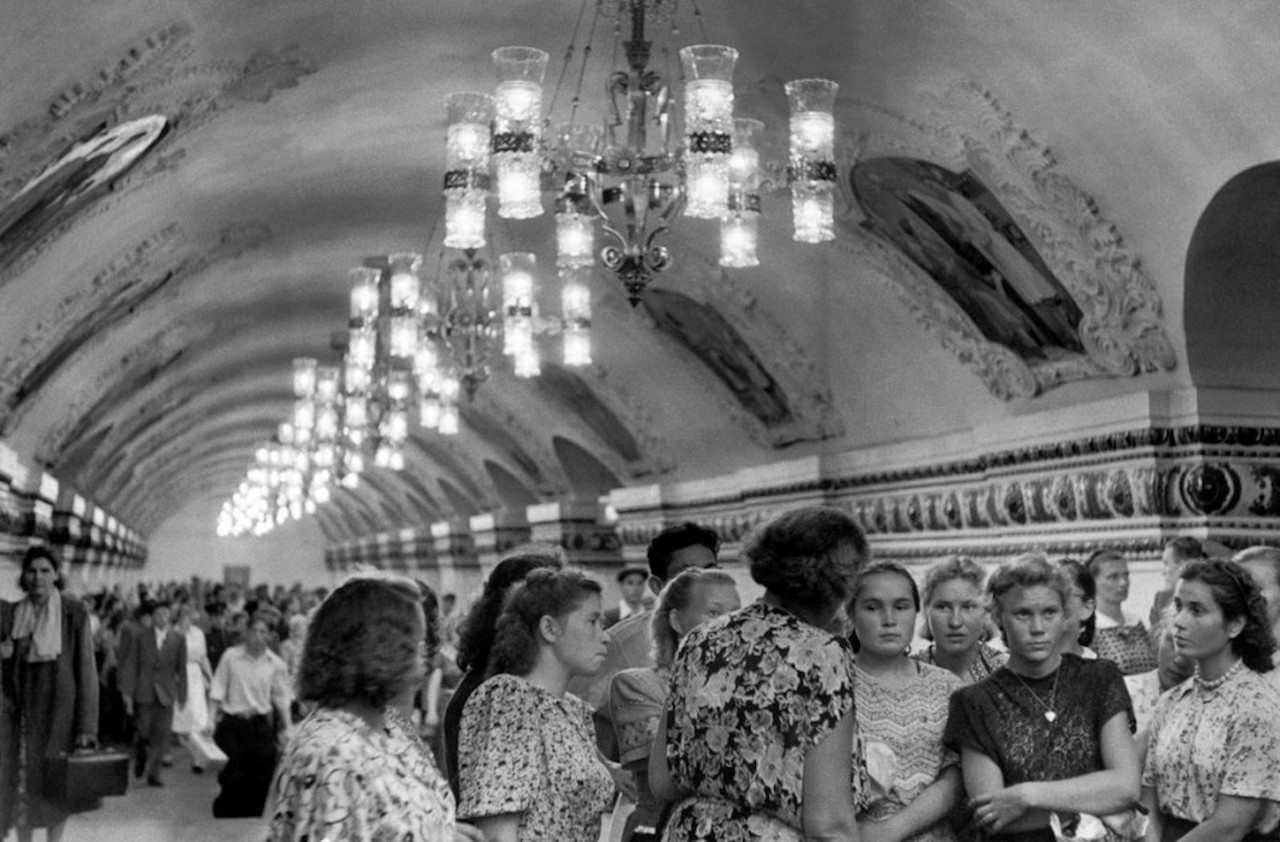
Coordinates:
[81,779]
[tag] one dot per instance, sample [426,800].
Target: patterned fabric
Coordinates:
[751,692]
[341,779]
[1004,718]
[525,750]
[1144,690]
[1128,646]
[989,660]
[636,699]
[901,728]
[1225,740]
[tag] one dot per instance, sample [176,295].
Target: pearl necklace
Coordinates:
[1210,685]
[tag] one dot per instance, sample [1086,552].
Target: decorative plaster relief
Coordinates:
[778,394]
[968,133]
[119,293]
[161,74]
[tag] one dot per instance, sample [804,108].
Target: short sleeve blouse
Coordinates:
[1004,717]
[901,729]
[525,750]
[1211,739]
[750,694]
[341,779]
[636,699]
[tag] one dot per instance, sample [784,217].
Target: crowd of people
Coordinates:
[1038,709]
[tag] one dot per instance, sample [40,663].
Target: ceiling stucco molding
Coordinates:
[88,313]
[656,457]
[162,74]
[814,416]
[548,479]
[964,127]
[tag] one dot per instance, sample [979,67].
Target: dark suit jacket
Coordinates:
[154,675]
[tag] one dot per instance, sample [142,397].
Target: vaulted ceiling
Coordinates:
[184,186]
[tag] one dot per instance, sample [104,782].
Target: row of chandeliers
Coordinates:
[414,346]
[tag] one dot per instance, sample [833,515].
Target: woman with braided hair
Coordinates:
[1213,763]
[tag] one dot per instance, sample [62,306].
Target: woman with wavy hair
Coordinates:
[353,771]
[527,752]
[1213,749]
[476,635]
[957,620]
[756,737]
[1048,732]
[637,696]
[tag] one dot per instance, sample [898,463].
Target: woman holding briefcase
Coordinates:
[51,690]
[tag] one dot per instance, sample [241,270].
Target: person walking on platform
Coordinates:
[249,706]
[153,680]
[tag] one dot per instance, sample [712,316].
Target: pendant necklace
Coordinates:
[1049,714]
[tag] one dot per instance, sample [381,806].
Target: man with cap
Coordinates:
[635,600]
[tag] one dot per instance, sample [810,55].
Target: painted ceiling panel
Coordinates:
[184,187]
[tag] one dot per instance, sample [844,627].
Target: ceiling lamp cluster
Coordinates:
[295,472]
[629,175]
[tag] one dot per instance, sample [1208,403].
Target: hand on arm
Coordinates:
[1111,790]
[930,807]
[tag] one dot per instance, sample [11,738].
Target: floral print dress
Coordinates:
[523,749]
[340,779]
[751,693]
[1213,738]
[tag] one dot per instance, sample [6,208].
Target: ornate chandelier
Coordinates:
[629,175]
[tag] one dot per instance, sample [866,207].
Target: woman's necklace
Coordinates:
[1049,713]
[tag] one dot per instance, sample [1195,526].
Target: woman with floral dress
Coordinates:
[902,712]
[1213,760]
[352,771]
[527,757]
[756,738]
[957,620]
[637,696]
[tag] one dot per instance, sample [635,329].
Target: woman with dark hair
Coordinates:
[638,695]
[759,724]
[957,620]
[1213,760]
[476,635]
[351,771]
[527,753]
[902,711]
[1081,618]
[1047,732]
[1119,637]
[52,682]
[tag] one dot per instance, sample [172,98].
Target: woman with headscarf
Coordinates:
[52,680]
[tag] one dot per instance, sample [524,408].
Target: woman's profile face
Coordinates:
[1032,618]
[582,642]
[1112,581]
[956,614]
[39,576]
[884,615]
[1200,630]
[1079,609]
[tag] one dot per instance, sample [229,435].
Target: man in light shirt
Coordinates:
[249,706]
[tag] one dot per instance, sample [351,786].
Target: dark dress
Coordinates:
[51,703]
[1003,717]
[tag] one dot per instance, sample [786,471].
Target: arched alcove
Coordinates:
[513,494]
[588,476]
[1231,305]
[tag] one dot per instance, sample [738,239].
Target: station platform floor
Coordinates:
[181,810]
